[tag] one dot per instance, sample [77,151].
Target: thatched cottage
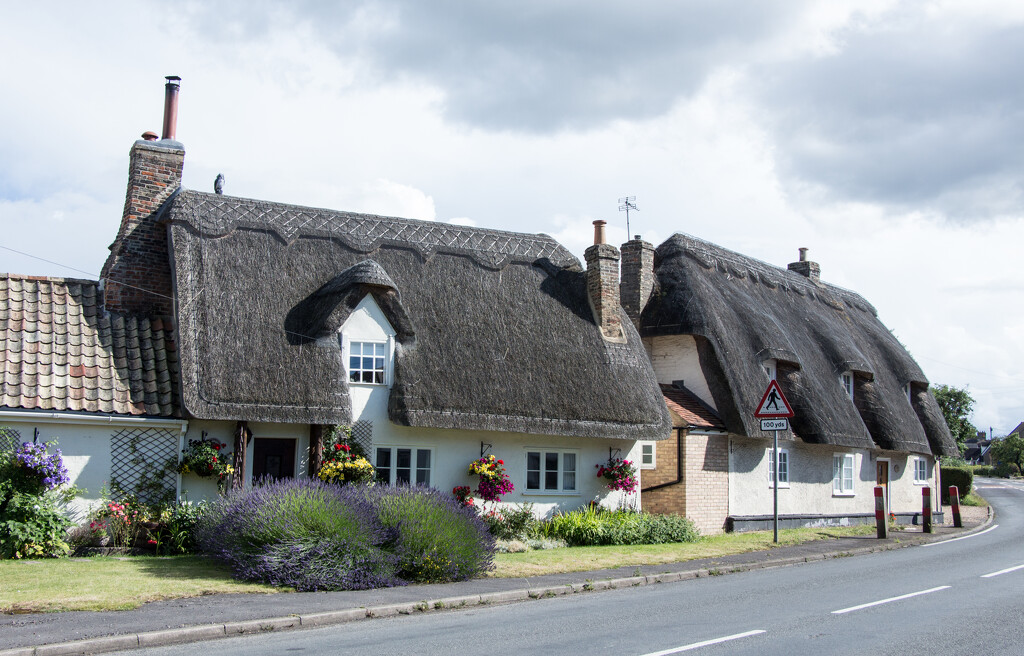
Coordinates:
[718,327]
[257,324]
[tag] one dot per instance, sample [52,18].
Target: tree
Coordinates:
[1010,450]
[956,405]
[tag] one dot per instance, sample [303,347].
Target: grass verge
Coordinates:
[578,559]
[974,499]
[106,583]
[121,583]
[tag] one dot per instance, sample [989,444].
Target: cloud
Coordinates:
[529,65]
[914,111]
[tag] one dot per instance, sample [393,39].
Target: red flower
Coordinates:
[345,448]
[151,541]
[215,458]
[501,462]
[216,447]
[337,447]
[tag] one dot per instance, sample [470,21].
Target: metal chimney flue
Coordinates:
[171,106]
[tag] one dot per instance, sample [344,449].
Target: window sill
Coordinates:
[922,483]
[551,493]
[844,494]
[782,486]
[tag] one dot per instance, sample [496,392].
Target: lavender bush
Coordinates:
[438,538]
[301,533]
[314,536]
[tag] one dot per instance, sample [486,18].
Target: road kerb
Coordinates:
[89,646]
[332,617]
[181,634]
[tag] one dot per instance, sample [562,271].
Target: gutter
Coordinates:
[111,420]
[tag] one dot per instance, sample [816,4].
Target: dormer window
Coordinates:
[770,369]
[910,393]
[846,380]
[366,362]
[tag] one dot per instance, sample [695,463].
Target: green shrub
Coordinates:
[1006,470]
[961,477]
[983,470]
[33,523]
[591,526]
[511,522]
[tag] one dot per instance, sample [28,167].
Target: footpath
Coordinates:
[217,616]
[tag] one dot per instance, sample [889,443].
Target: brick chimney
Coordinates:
[637,277]
[805,267]
[137,274]
[603,285]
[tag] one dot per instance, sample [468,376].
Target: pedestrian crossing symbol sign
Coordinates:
[773,404]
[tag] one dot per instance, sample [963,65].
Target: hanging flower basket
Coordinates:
[494,482]
[206,458]
[620,475]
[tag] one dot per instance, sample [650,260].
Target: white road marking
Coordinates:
[1002,571]
[962,537]
[706,643]
[891,599]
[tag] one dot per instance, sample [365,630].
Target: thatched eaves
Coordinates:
[744,312]
[494,330]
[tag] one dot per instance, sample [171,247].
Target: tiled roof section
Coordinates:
[691,409]
[214,215]
[57,352]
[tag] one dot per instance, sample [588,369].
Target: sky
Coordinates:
[884,136]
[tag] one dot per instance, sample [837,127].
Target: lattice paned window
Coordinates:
[143,462]
[10,439]
[362,434]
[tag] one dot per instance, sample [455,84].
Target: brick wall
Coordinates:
[703,496]
[603,288]
[671,499]
[137,274]
[637,277]
[706,469]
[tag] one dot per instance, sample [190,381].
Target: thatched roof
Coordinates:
[60,352]
[744,312]
[494,328]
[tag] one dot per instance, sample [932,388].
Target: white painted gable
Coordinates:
[368,323]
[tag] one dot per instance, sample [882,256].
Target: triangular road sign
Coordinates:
[773,404]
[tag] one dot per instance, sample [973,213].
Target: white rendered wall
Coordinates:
[674,357]
[453,450]
[85,448]
[810,475]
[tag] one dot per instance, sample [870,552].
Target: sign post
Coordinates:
[774,412]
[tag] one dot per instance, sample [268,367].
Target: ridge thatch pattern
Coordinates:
[494,329]
[744,312]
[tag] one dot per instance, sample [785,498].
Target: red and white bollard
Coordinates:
[926,509]
[880,518]
[954,501]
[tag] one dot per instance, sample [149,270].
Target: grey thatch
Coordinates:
[744,312]
[494,328]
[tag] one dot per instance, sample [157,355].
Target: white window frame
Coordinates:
[653,453]
[843,464]
[923,464]
[414,468]
[846,380]
[783,469]
[386,356]
[771,368]
[910,393]
[560,472]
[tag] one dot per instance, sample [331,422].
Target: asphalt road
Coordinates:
[962,596]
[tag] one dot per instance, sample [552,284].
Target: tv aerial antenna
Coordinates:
[627,203]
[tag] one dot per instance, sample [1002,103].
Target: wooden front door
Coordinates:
[273,457]
[882,469]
